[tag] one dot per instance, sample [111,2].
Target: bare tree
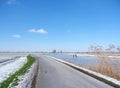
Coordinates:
[96,49]
[118,48]
[112,49]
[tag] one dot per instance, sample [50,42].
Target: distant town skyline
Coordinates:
[67,25]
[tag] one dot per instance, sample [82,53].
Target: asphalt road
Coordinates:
[53,74]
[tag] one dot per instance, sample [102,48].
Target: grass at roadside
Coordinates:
[106,65]
[107,68]
[14,77]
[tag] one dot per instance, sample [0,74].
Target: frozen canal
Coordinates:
[85,60]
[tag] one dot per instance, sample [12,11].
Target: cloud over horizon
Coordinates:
[16,36]
[41,31]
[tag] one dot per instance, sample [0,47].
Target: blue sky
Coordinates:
[68,25]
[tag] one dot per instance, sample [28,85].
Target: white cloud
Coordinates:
[16,36]
[41,31]
[11,2]
[32,30]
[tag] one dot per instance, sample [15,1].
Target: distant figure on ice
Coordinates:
[74,55]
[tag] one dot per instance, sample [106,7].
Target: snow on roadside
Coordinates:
[27,78]
[10,68]
[115,81]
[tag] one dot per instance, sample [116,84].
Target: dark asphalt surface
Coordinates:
[53,74]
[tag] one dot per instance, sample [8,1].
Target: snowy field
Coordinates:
[14,54]
[9,68]
[6,58]
[3,59]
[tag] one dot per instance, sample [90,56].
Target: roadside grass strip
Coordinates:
[14,78]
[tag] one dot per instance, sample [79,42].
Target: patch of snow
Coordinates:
[114,56]
[87,55]
[10,68]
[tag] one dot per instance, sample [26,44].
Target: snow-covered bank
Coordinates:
[10,68]
[27,78]
[106,79]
